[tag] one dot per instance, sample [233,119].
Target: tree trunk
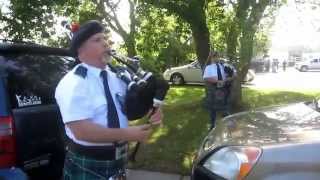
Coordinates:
[246,50]
[232,42]
[201,39]
[201,36]
[130,44]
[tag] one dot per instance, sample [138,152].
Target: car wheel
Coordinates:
[177,79]
[304,68]
[250,76]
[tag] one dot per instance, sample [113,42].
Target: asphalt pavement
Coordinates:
[151,175]
[291,79]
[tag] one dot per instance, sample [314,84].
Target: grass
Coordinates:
[171,147]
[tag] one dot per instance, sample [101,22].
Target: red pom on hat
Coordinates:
[75,27]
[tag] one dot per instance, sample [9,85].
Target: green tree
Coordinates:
[163,40]
[29,19]
[241,35]
[194,13]
[109,14]
[34,20]
[242,24]
[218,20]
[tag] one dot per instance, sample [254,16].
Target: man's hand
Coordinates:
[140,133]
[156,117]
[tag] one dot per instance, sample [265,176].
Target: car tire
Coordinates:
[304,68]
[177,79]
[250,76]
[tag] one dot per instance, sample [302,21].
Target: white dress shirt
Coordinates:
[212,71]
[84,98]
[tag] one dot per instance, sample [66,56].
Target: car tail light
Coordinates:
[233,162]
[7,142]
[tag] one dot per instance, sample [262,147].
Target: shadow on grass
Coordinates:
[172,147]
[254,98]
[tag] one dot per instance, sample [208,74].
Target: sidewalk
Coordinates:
[150,175]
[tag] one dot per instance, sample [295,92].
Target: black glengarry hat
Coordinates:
[85,32]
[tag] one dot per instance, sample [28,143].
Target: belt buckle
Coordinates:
[121,151]
[220,84]
[119,176]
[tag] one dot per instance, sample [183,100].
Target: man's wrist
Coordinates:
[125,134]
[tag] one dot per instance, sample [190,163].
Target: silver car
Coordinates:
[281,142]
[311,64]
[192,74]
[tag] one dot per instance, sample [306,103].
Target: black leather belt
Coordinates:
[97,152]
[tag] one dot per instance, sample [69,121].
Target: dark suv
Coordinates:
[31,129]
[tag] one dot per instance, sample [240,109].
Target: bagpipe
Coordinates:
[228,70]
[145,91]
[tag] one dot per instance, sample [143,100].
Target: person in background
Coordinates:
[284,65]
[96,127]
[217,80]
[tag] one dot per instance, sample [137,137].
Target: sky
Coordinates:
[123,15]
[3,5]
[296,25]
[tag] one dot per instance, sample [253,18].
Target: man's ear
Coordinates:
[81,48]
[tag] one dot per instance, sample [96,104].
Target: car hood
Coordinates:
[266,126]
[178,68]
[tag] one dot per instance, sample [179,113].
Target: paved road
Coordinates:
[291,79]
[149,175]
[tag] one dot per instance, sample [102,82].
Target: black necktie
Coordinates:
[113,119]
[219,72]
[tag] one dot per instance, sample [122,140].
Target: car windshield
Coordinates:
[315,104]
[194,63]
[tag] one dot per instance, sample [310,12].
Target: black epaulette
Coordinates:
[116,69]
[81,71]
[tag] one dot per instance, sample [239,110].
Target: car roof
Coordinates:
[19,48]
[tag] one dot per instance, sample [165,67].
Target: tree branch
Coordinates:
[174,7]
[132,16]
[115,18]
[257,13]
[110,19]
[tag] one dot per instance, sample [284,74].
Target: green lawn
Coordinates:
[186,122]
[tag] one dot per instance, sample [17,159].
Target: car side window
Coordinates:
[3,100]
[196,65]
[32,78]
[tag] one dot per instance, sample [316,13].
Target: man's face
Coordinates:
[97,46]
[214,59]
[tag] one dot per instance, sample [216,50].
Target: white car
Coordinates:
[308,64]
[191,74]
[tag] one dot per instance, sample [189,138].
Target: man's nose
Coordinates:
[109,43]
